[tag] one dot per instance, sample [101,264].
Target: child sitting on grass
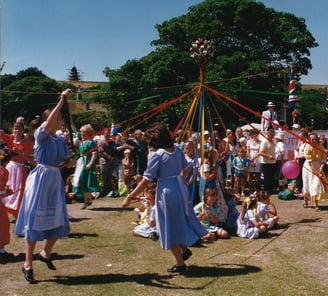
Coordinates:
[249,223]
[266,210]
[208,213]
[147,219]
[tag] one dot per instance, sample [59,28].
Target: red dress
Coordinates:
[4,220]
[17,171]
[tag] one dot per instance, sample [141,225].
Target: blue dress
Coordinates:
[43,213]
[175,218]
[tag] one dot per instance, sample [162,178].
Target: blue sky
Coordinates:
[54,35]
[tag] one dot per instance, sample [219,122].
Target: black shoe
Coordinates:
[154,236]
[186,254]
[84,206]
[48,262]
[28,274]
[180,269]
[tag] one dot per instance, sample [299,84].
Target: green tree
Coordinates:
[312,108]
[28,97]
[249,40]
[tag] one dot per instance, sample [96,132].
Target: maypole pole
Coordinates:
[201,50]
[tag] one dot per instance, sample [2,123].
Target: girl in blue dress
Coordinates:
[43,214]
[177,224]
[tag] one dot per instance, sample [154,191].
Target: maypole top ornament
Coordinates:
[200,51]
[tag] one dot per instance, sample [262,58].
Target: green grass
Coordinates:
[101,257]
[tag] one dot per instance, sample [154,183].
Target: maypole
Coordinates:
[201,50]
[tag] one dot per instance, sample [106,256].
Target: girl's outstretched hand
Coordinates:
[66,92]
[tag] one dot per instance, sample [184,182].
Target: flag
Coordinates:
[293,97]
[327,99]
[292,88]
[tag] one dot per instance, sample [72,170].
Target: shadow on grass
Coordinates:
[80,235]
[21,257]
[56,256]
[309,221]
[302,221]
[75,220]
[109,209]
[157,280]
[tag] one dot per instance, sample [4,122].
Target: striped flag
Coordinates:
[293,97]
[292,88]
[327,99]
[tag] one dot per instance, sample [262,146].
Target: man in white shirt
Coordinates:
[268,159]
[268,114]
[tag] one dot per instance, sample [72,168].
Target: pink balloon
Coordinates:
[290,169]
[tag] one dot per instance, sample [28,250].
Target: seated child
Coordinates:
[147,226]
[266,210]
[248,224]
[147,201]
[232,200]
[208,213]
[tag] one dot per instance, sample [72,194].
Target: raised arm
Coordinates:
[51,120]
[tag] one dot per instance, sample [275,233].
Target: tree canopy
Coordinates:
[252,48]
[253,45]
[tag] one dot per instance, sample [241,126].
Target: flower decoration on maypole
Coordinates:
[200,51]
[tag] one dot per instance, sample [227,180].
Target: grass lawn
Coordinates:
[101,257]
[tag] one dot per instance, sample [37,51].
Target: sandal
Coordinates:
[317,209]
[305,205]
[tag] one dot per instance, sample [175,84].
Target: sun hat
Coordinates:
[270,104]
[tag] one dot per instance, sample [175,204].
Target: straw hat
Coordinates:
[270,104]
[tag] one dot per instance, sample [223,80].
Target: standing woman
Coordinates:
[43,214]
[176,221]
[254,169]
[86,176]
[22,151]
[314,181]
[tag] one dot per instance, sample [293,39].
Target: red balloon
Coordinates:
[290,169]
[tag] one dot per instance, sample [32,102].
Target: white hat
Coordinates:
[280,136]
[206,133]
[270,104]
[296,126]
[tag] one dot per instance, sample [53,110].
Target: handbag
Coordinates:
[286,194]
